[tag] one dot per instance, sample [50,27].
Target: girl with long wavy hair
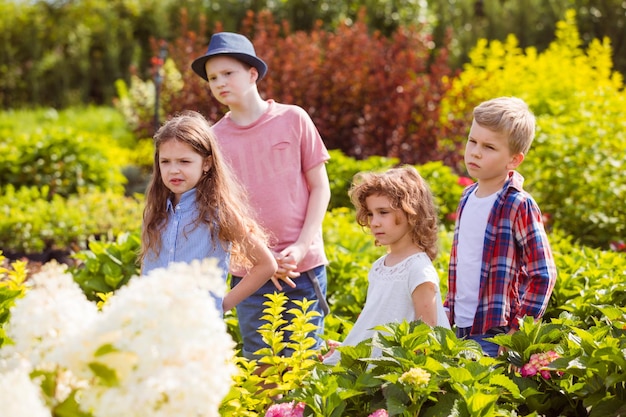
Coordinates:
[196,209]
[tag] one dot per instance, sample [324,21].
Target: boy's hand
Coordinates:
[502,349]
[291,255]
[285,272]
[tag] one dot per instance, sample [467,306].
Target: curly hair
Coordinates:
[407,191]
[221,200]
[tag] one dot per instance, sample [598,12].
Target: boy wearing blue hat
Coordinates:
[277,153]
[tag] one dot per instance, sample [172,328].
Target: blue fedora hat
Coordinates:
[231,44]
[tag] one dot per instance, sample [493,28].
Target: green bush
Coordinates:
[101,120]
[62,180]
[587,278]
[30,222]
[63,159]
[341,169]
[586,373]
[445,184]
[107,266]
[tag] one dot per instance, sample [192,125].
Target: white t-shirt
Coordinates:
[472,226]
[389,298]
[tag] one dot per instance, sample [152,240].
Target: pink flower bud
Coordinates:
[528,370]
[286,410]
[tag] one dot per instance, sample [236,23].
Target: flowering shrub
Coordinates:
[538,364]
[158,347]
[416,377]
[286,410]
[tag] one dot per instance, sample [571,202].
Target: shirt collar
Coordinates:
[187,201]
[515,180]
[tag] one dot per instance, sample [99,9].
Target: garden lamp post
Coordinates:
[158,80]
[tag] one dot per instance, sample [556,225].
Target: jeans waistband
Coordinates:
[466,331]
[462,332]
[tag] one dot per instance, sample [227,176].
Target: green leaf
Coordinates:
[506,383]
[481,404]
[450,405]
[461,375]
[105,349]
[69,408]
[107,375]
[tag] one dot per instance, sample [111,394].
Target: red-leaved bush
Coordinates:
[367,94]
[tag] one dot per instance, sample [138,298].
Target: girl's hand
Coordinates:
[332,346]
[285,278]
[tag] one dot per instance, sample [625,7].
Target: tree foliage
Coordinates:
[66,52]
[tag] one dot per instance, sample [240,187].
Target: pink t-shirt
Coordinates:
[270,157]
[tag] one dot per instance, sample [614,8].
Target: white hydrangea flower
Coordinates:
[51,312]
[169,346]
[19,396]
[159,346]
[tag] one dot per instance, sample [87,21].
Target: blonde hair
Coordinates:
[221,201]
[406,191]
[509,116]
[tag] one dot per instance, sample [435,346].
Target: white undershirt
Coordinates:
[471,239]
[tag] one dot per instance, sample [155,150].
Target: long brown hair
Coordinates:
[406,191]
[221,201]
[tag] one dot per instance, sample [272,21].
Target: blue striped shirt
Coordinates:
[183,242]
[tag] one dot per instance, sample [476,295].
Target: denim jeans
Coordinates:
[490,349]
[310,285]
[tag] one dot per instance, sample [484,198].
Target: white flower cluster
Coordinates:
[53,311]
[19,396]
[159,347]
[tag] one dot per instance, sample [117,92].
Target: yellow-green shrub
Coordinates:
[12,278]
[574,168]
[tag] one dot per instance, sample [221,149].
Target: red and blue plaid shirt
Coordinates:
[518,272]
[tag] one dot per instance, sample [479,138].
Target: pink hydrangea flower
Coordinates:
[286,410]
[538,364]
[379,413]
[545,374]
